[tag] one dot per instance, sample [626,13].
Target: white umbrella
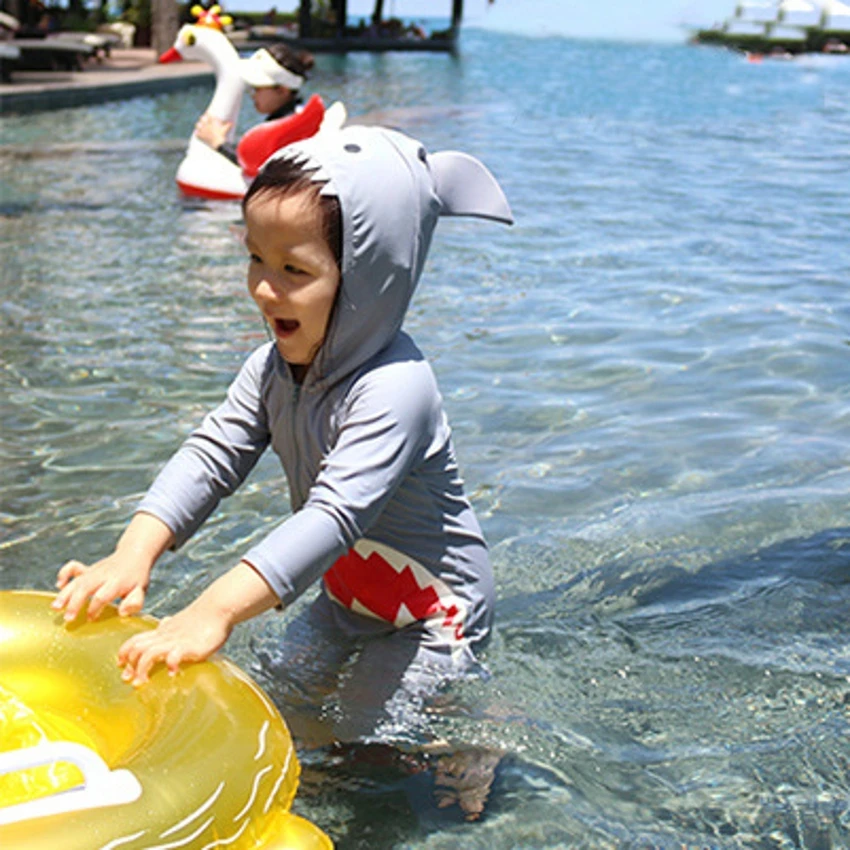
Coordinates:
[801,13]
[837,16]
[760,11]
[735,26]
[785,33]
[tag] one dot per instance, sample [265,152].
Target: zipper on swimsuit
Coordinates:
[296,397]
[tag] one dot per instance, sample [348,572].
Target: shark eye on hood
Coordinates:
[352,148]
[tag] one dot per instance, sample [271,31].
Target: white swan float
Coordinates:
[206,173]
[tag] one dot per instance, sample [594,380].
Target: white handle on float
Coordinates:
[101,786]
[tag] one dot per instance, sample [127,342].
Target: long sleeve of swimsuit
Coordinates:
[215,459]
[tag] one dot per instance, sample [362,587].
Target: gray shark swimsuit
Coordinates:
[378,508]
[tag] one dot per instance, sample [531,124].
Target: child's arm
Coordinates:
[124,574]
[201,628]
[217,457]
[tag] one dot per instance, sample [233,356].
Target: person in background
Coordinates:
[276,75]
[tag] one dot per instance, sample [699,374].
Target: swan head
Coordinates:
[200,43]
[196,41]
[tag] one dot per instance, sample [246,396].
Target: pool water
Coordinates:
[649,386]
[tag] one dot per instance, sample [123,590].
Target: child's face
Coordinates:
[292,275]
[268,99]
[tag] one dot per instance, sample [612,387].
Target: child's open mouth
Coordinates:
[285,327]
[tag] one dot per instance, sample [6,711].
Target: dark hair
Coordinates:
[299,62]
[282,178]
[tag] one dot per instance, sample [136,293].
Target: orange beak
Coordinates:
[170,55]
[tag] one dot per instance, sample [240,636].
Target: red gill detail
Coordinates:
[382,590]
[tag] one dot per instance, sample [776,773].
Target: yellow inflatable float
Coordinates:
[197,761]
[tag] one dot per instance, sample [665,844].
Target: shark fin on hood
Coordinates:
[466,188]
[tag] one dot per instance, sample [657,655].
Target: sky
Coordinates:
[619,19]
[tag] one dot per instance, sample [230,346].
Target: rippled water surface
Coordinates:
[648,378]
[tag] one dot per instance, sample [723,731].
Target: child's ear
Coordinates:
[465,187]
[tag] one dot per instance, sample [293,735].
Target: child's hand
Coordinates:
[192,635]
[117,576]
[125,574]
[202,628]
[212,131]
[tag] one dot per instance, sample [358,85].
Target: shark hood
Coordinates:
[391,193]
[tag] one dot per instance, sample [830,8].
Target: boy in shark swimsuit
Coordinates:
[338,230]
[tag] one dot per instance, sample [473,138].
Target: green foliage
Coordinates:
[814,42]
[259,18]
[137,12]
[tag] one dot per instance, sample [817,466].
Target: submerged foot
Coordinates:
[465,778]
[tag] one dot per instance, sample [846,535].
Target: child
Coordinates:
[275,76]
[338,229]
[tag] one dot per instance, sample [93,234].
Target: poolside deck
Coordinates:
[125,73]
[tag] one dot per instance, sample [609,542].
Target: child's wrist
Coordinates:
[145,539]
[212,608]
[143,556]
[236,596]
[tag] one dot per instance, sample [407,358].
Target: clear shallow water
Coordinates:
[649,386]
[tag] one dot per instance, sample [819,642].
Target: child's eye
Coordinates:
[290,269]
[255,258]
